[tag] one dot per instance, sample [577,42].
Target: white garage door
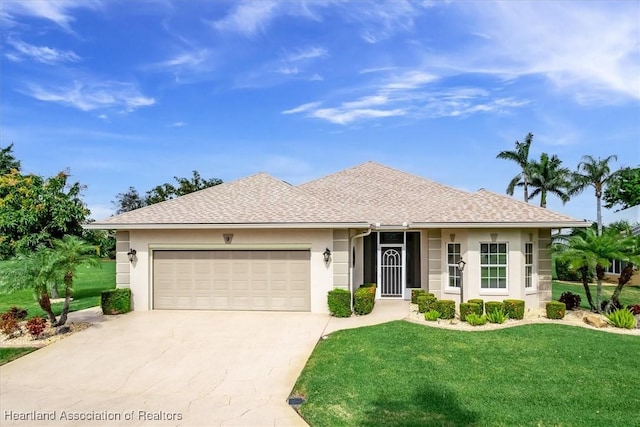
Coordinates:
[231,280]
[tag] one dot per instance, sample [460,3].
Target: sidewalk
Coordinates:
[384,311]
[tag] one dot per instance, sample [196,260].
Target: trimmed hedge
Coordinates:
[480,302]
[491,306]
[467,308]
[446,308]
[415,293]
[364,299]
[426,302]
[339,301]
[514,308]
[116,301]
[556,309]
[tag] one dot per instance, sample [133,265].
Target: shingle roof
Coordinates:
[370,193]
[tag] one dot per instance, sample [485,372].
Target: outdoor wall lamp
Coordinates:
[327,255]
[132,254]
[461,265]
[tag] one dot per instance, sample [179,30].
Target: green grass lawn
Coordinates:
[88,285]
[402,374]
[9,354]
[629,294]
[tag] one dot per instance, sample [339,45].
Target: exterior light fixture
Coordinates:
[132,255]
[327,255]
[461,265]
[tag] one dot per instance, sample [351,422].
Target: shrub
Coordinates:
[634,308]
[426,302]
[556,309]
[476,320]
[431,315]
[36,326]
[622,319]
[480,303]
[514,308]
[497,316]
[9,324]
[446,308]
[490,306]
[364,299]
[415,293]
[116,301]
[570,300]
[339,301]
[17,313]
[467,308]
[565,273]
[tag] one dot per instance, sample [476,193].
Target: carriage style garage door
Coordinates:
[231,280]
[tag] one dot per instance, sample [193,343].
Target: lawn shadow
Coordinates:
[428,406]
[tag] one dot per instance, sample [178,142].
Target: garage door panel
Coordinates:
[232,280]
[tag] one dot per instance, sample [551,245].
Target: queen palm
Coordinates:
[547,176]
[594,173]
[521,156]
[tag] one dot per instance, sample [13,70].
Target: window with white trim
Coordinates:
[493,265]
[528,265]
[616,266]
[453,256]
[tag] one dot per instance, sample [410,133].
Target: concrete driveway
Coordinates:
[181,368]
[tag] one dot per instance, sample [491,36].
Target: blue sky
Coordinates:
[134,93]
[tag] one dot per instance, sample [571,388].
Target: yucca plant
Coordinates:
[474,320]
[432,315]
[622,318]
[497,316]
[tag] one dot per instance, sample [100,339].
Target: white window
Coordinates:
[528,265]
[493,265]
[616,266]
[453,256]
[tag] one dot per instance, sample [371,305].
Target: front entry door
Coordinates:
[390,271]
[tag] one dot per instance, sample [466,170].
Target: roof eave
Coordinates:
[225,226]
[533,224]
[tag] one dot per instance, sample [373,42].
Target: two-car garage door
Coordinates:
[232,280]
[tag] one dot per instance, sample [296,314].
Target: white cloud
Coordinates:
[43,54]
[92,96]
[308,53]
[343,116]
[249,17]
[190,59]
[177,124]
[302,108]
[58,11]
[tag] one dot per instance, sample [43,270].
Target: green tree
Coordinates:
[597,174]
[7,161]
[547,176]
[521,156]
[587,250]
[633,251]
[35,210]
[128,201]
[623,190]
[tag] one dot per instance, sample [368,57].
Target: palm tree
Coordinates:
[633,252]
[587,250]
[595,173]
[69,253]
[521,156]
[547,176]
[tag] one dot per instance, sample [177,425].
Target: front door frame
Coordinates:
[403,265]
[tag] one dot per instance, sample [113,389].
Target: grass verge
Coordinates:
[9,354]
[88,285]
[404,374]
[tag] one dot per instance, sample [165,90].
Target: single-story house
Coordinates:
[259,243]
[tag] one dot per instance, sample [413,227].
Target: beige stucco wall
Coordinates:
[144,241]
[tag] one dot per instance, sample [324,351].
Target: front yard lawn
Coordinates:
[88,285]
[9,354]
[629,294]
[404,374]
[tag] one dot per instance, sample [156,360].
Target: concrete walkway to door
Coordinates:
[172,368]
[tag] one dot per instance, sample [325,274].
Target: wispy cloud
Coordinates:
[302,108]
[58,11]
[249,17]
[92,96]
[43,54]
[305,54]
[178,124]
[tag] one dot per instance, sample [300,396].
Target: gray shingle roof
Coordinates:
[370,193]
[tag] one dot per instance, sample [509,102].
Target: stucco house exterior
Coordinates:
[259,243]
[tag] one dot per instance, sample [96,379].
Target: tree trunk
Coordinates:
[625,277]
[54,291]
[68,282]
[599,277]
[599,216]
[585,282]
[543,199]
[45,304]
[526,190]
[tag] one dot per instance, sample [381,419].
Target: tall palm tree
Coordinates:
[587,250]
[521,156]
[68,254]
[547,176]
[594,173]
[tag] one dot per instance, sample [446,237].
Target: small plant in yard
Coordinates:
[475,320]
[555,309]
[514,308]
[490,306]
[497,316]
[36,326]
[622,318]
[447,308]
[480,303]
[415,293]
[9,324]
[426,302]
[467,308]
[431,315]
[634,308]
[570,300]
[339,301]
[18,313]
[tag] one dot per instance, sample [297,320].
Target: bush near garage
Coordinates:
[364,299]
[339,301]
[116,301]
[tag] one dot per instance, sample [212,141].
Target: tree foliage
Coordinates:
[548,176]
[7,161]
[594,173]
[623,190]
[131,199]
[521,156]
[35,210]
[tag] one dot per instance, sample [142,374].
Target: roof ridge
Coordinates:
[514,200]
